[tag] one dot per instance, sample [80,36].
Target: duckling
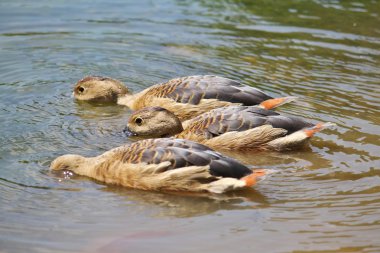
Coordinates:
[240,128]
[163,164]
[187,97]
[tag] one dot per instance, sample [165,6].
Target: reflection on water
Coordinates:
[324,198]
[190,205]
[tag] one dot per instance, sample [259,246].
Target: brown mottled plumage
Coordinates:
[187,97]
[228,128]
[162,164]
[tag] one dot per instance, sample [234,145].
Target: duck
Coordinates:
[187,97]
[233,128]
[165,164]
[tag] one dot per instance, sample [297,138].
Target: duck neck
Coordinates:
[187,133]
[178,127]
[127,100]
[85,167]
[133,101]
[93,167]
[99,167]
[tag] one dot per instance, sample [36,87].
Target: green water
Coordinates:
[322,199]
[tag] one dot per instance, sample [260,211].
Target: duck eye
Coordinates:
[138,121]
[80,89]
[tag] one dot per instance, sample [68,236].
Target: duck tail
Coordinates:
[276,102]
[298,138]
[251,179]
[318,127]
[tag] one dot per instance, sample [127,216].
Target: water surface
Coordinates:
[322,199]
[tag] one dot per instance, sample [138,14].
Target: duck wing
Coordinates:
[241,118]
[193,89]
[182,153]
[290,123]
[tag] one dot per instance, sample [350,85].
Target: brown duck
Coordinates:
[241,128]
[163,164]
[187,97]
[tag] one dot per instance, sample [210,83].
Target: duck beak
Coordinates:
[128,132]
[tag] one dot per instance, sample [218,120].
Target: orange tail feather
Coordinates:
[318,127]
[275,102]
[251,179]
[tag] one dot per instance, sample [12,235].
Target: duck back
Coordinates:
[183,153]
[241,118]
[193,89]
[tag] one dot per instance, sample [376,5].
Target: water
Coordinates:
[322,199]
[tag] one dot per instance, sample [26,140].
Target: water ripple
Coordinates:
[325,52]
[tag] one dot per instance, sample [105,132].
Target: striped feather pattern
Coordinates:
[181,153]
[193,89]
[240,118]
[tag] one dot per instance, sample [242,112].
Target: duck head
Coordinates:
[72,163]
[153,122]
[99,89]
